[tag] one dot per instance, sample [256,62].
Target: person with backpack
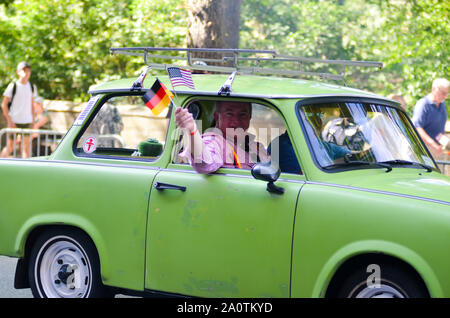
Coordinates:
[18,107]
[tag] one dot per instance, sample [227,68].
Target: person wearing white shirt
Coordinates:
[20,113]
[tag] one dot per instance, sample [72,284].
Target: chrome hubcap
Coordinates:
[64,270]
[381,291]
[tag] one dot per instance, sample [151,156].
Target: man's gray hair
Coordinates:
[441,83]
[219,104]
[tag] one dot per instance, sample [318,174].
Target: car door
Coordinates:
[119,150]
[221,235]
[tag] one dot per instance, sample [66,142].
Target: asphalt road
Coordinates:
[7,290]
[7,270]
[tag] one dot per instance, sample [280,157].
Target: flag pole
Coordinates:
[177,130]
[195,142]
[170,98]
[176,96]
[174,91]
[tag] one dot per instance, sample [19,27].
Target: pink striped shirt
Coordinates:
[217,152]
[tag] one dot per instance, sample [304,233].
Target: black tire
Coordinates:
[394,282]
[64,263]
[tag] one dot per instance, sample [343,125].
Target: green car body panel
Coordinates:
[226,236]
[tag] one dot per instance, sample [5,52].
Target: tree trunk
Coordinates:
[213,24]
[231,23]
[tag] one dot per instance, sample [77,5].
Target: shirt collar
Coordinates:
[430,101]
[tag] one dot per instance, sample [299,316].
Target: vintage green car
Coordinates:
[116,209]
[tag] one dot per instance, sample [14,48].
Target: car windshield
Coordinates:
[358,134]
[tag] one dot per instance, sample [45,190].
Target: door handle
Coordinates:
[166,186]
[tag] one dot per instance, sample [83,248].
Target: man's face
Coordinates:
[24,73]
[233,115]
[440,94]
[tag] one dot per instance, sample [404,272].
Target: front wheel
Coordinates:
[389,281]
[64,264]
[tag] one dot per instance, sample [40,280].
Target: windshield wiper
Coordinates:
[360,163]
[406,162]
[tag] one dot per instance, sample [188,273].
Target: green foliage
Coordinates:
[67,42]
[296,27]
[302,28]
[413,41]
[410,37]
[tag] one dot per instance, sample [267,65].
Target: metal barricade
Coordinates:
[46,141]
[444,166]
[116,140]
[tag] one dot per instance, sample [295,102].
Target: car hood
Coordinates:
[432,186]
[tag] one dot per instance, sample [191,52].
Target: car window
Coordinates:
[266,126]
[125,128]
[347,134]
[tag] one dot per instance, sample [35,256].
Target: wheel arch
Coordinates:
[29,234]
[374,251]
[369,258]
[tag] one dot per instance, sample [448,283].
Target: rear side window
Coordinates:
[125,128]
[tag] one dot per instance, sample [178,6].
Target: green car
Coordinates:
[352,203]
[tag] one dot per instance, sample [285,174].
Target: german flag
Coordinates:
[157,98]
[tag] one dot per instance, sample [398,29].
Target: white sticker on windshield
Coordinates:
[83,115]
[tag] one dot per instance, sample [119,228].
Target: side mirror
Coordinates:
[269,173]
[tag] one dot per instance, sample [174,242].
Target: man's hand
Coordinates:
[361,155]
[437,149]
[5,110]
[11,124]
[184,119]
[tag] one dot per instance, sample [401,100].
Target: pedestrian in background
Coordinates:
[40,145]
[430,116]
[42,119]
[107,122]
[17,106]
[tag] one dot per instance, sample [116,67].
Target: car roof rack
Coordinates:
[232,60]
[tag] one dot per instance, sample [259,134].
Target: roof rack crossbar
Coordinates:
[249,70]
[233,55]
[339,62]
[180,58]
[210,50]
[220,69]
[283,58]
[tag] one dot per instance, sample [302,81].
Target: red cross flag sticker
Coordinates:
[90,144]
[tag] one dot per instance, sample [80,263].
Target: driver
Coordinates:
[329,152]
[228,145]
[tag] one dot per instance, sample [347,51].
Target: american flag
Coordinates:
[179,76]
